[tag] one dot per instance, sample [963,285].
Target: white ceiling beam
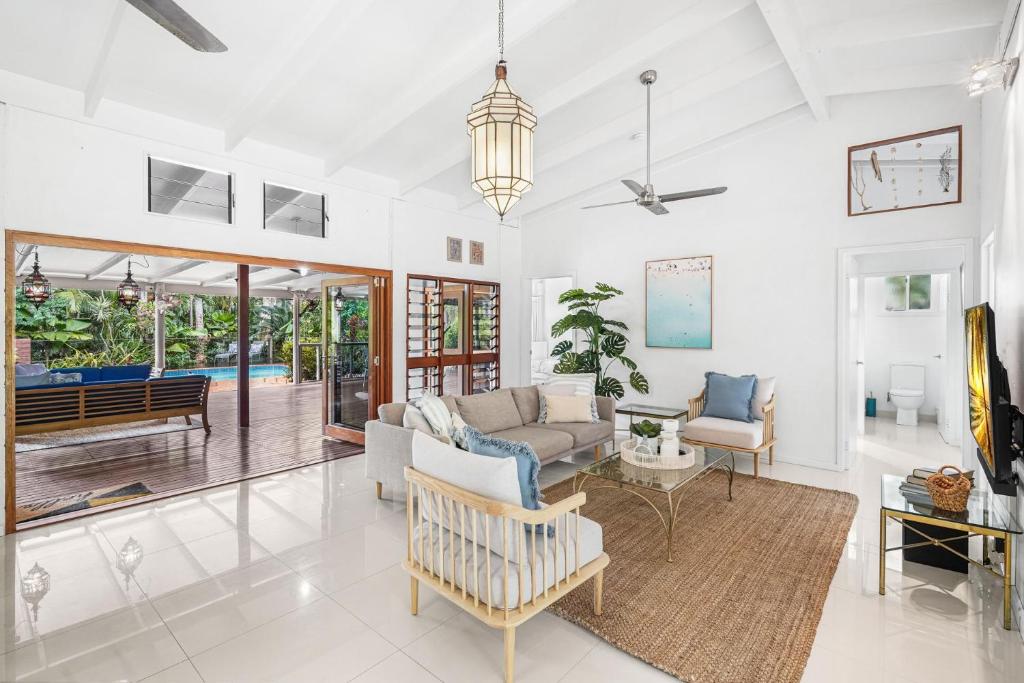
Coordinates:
[315,33]
[229,275]
[24,257]
[101,64]
[176,269]
[525,17]
[928,19]
[287,277]
[783,22]
[105,266]
[895,77]
[632,57]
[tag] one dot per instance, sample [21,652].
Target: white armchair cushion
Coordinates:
[724,432]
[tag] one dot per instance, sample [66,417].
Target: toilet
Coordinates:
[906,391]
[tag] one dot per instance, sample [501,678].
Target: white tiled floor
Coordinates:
[295,577]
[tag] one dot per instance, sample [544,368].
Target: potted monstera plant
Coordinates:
[603,343]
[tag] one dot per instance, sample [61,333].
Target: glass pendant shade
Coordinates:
[35,287]
[129,292]
[501,129]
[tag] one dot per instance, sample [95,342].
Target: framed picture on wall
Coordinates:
[476,253]
[455,249]
[909,172]
[679,303]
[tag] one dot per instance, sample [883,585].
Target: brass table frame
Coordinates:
[668,520]
[970,531]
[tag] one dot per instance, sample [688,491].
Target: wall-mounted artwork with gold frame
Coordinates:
[908,172]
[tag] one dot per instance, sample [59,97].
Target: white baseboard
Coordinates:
[816,464]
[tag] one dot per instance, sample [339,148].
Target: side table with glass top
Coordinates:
[981,518]
[635,410]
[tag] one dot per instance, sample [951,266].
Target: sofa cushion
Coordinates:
[527,403]
[583,433]
[527,463]
[716,430]
[764,389]
[567,409]
[391,413]
[37,379]
[124,372]
[449,402]
[436,412]
[545,442]
[28,369]
[490,412]
[413,418]
[729,397]
[89,375]
[495,478]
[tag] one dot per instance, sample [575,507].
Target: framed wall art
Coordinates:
[454,249]
[679,303]
[909,172]
[476,253]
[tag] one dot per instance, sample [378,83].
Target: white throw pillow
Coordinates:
[578,384]
[413,419]
[437,414]
[567,409]
[764,389]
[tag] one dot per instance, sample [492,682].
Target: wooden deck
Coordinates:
[284,433]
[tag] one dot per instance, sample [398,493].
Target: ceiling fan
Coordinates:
[179,23]
[645,195]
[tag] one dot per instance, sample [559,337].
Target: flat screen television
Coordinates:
[995,423]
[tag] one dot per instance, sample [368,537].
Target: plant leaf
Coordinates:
[607,289]
[567,363]
[615,323]
[561,347]
[613,345]
[589,361]
[639,382]
[628,362]
[609,386]
[574,294]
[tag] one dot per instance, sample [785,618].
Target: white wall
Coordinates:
[774,236]
[1002,219]
[904,337]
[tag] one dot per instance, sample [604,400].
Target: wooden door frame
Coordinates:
[12,236]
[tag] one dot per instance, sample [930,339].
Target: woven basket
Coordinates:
[949,493]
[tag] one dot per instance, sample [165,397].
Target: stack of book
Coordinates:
[914,489]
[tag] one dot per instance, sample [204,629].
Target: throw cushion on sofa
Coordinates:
[413,418]
[578,384]
[527,464]
[561,409]
[436,413]
[490,412]
[729,397]
[764,390]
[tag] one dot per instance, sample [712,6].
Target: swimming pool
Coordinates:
[231,372]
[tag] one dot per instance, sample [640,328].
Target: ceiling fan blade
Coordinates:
[180,23]
[676,196]
[656,208]
[636,187]
[598,206]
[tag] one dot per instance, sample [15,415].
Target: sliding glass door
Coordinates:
[354,329]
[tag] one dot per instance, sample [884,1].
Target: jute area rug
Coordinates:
[742,601]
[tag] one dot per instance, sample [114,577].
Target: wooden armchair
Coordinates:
[732,435]
[455,536]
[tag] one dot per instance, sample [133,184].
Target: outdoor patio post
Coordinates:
[159,327]
[296,349]
[243,345]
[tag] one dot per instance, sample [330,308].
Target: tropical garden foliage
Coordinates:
[603,345]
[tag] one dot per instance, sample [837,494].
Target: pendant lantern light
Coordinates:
[501,132]
[35,287]
[129,292]
[339,300]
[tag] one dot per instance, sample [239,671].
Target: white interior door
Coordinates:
[955,371]
[857,313]
[853,394]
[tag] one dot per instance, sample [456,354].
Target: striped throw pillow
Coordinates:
[437,414]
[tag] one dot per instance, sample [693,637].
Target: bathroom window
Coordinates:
[908,293]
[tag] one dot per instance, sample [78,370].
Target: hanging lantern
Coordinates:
[129,292]
[35,287]
[501,131]
[339,301]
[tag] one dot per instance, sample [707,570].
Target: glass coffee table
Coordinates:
[651,485]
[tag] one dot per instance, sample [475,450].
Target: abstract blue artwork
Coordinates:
[679,303]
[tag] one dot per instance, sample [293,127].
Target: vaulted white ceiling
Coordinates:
[385,86]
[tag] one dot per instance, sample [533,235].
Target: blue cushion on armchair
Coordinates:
[729,397]
[124,372]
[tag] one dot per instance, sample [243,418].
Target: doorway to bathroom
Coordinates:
[544,312]
[901,388]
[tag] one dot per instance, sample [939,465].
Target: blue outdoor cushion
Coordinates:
[527,464]
[124,372]
[729,397]
[89,375]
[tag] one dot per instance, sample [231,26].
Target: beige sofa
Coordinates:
[506,413]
